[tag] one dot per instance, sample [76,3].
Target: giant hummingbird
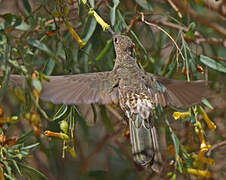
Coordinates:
[137,92]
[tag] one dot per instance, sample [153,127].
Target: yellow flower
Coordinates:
[36,94]
[200,159]
[72,152]
[204,146]
[8,119]
[84,1]
[209,123]
[74,34]
[181,115]
[103,24]
[197,172]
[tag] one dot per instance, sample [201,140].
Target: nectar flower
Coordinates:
[74,34]
[200,159]
[103,24]
[181,115]
[209,123]
[197,172]
[55,134]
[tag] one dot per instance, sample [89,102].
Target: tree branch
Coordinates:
[199,18]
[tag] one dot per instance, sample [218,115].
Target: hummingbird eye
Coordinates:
[116,40]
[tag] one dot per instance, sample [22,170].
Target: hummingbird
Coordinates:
[136,92]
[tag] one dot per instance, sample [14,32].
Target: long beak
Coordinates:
[111,31]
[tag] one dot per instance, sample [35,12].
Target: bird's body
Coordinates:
[137,101]
[136,91]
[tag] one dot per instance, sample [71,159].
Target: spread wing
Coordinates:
[89,88]
[179,93]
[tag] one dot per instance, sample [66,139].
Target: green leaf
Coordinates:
[191,30]
[62,110]
[113,12]
[176,144]
[186,156]
[144,4]
[133,34]
[30,146]
[11,20]
[92,4]
[5,81]
[97,175]
[82,123]
[89,29]
[25,137]
[207,103]
[23,26]
[3,39]
[18,66]
[43,47]
[212,63]
[174,176]
[105,119]
[37,85]
[87,50]
[117,151]
[104,51]
[16,167]
[27,7]
[49,67]
[34,171]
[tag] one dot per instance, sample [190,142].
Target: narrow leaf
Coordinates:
[104,51]
[25,137]
[207,103]
[49,67]
[105,119]
[27,7]
[62,110]
[144,4]
[34,171]
[113,12]
[89,29]
[30,146]
[42,47]
[212,63]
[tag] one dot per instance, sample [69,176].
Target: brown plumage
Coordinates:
[136,91]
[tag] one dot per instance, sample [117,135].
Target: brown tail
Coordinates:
[145,146]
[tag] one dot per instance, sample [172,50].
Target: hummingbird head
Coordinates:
[123,45]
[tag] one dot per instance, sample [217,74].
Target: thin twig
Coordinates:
[218,7]
[197,38]
[86,161]
[199,18]
[175,8]
[215,146]
[151,24]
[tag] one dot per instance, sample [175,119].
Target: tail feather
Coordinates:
[145,146]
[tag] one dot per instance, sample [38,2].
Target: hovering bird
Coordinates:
[137,92]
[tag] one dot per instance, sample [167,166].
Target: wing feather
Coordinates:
[88,88]
[81,88]
[181,94]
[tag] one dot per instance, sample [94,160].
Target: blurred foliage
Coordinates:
[175,39]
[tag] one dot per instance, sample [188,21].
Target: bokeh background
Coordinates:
[35,40]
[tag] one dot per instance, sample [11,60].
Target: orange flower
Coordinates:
[55,134]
